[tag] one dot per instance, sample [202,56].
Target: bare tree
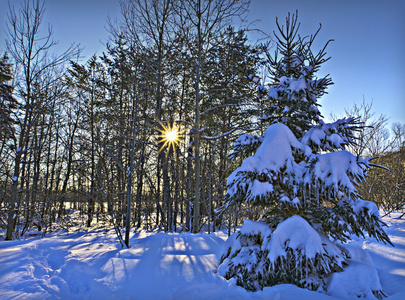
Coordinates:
[200,21]
[374,137]
[30,51]
[148,24]
[384,186]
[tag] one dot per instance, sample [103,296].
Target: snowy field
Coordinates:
[92,265]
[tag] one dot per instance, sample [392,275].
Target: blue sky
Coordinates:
[368,54]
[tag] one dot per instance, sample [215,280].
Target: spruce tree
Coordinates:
[302,177]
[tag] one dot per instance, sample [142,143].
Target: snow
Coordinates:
[247,139]
[92,265]
[290,85]
[334,169]
[359,205]
[272,93]
[246,143]
[275,157]
[250,227]
[325,136]
[297,85]
[254,78]
[358,280]
[296,234]
[274,153]
[259,189]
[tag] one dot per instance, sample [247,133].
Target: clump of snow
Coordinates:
[272,93]
[247,139]
[291,84]
[275,152]
[367,213]
[358,280]
[258,189]
[363,205]
[356,253]
[253,227]
[246,143]
[330,136]
[338,170]
[297,85]
[297,234]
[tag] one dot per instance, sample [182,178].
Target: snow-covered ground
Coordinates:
[92,265]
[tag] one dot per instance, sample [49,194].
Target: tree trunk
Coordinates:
[197,186]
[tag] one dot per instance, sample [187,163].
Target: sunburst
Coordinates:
[170,136]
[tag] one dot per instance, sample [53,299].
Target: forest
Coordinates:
[143,135]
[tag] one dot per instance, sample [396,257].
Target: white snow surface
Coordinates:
[92,265]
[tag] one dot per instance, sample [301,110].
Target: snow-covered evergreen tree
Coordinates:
[303,177]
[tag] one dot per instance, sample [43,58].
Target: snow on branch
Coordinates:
[274,157]
[338,170]
[246,144]
[331,136]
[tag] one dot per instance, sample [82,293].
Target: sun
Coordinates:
[170,136]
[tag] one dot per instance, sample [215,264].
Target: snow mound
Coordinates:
[358,280]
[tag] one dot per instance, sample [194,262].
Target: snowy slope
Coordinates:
[92,265]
